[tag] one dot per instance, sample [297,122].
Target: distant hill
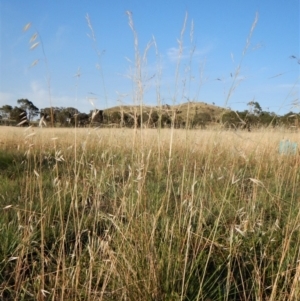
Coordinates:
[192,109]
[193,113]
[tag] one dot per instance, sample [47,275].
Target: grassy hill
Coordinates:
[191,109]
[196,113]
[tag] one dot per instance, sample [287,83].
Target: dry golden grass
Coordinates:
[147,214]
[257,142]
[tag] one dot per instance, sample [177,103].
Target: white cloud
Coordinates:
[289,86]
[38,95]
[174,54]
[41,97]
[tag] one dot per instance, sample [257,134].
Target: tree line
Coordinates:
[255,117]
[27,113]
[21,114]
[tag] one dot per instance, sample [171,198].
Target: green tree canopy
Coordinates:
[19,115]
[5,111]
[255,107]
[29,107]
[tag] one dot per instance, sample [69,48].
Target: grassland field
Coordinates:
[148,214]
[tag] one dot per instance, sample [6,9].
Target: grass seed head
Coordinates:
[27,26]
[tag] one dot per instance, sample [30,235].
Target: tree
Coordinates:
[166,120]
[201,119]
[29,107]
[115,117]
[71,111]
[255,108]
[5,111]
[60,115]
[96,116]
[19,115]
[290,119]
[80,119]
[267,118]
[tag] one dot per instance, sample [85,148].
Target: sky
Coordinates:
[100,54]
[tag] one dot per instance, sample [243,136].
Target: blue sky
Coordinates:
[212,62]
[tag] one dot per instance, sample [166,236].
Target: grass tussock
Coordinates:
[122,214]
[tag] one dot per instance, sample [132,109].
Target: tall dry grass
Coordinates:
[148,214]
[218,220]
